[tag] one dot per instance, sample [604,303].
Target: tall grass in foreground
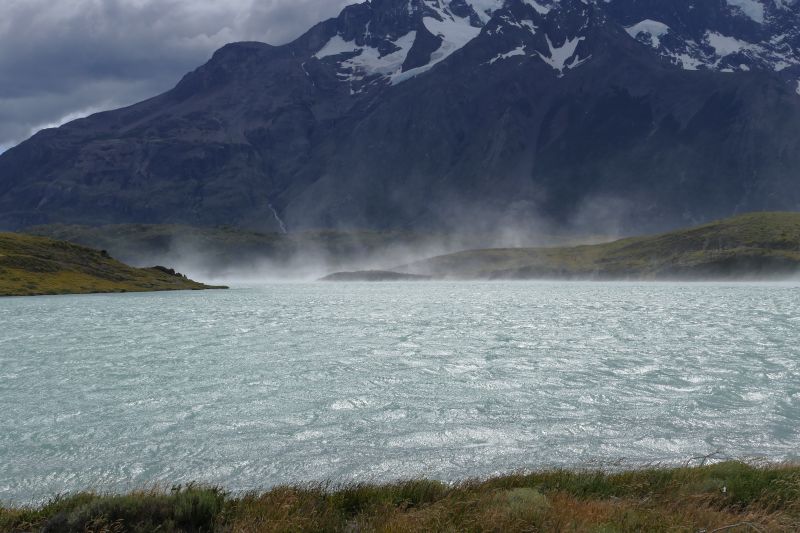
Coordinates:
[730,497]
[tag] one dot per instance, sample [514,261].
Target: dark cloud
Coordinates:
[60,59]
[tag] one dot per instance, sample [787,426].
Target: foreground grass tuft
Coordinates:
[182,509]
[730,496]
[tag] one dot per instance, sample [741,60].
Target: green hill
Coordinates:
[756,245]
[32,265]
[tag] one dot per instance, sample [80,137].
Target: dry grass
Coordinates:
[731,496]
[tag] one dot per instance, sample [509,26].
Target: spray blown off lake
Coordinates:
[291,382]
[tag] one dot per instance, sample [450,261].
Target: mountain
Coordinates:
[751,246]
[36,266]
[450,115]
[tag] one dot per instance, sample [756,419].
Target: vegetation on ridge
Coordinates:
[747,246]
[32,265]
[729,496]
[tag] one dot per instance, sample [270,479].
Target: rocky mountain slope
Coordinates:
[450,115]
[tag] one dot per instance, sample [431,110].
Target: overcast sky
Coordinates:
[63,59]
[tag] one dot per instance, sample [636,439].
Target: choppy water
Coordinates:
[285,383]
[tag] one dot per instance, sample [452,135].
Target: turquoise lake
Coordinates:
[295,382]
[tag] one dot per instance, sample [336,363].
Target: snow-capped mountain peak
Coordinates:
[723,35]
[555,33]
[392,40]
[385,42]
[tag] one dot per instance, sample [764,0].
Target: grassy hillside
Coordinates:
[748,246]
[731,497]
[32,265]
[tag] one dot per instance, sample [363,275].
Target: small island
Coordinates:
[375,275]
[35,266]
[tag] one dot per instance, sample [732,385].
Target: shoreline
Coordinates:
[755,496]
[112,292]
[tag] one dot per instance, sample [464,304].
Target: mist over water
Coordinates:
[225,256]
[293,382]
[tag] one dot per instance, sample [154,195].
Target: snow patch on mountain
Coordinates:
[519,51]
[564,56]
[550,31]
[541,9]
[724,45]
[509,21]
[364,61]
[751,8]
[454,31]
[688,62]
[485,8]
[337,46]
[652,30]
[738,35]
